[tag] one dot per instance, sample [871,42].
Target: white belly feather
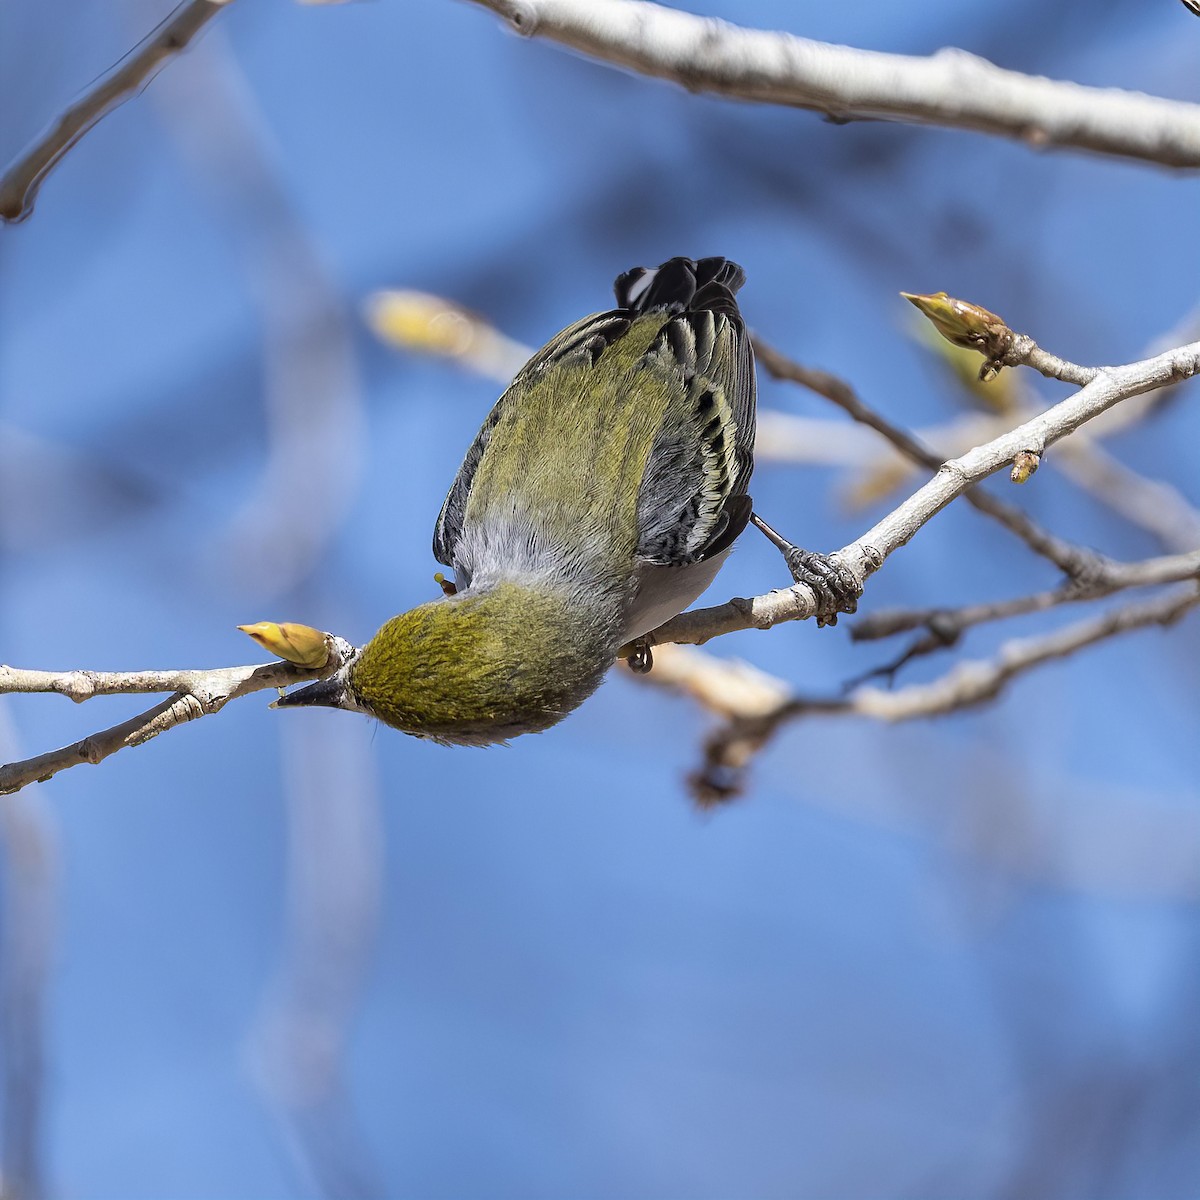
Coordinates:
[662,592]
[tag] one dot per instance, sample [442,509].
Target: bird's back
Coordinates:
[625,441]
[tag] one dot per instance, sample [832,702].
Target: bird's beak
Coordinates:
[325,693]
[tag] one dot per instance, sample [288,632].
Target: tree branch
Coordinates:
[867,553]
[729,749]
[1151,504]
[974,682]
[1075,561]
[195,694]
[950,88]
[20,183]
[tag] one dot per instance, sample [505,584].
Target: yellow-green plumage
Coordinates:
[575,448]
[447,670]
[598,499]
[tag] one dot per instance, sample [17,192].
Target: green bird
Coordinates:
[599,499]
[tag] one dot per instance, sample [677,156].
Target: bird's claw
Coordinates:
[836,588]
[640,656]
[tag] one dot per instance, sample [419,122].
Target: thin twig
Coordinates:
[310,388]
[20,183]
[950,88]
[1117,576]
[945,626]
[334,856]
[974,682]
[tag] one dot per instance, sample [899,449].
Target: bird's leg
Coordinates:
[836,588]
[638,655]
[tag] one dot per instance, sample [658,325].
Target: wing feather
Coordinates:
[693,502]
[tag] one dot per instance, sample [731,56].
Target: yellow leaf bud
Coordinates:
[299,644]
[967,325]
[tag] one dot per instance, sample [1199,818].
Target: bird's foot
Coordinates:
[638,655]
[836,589]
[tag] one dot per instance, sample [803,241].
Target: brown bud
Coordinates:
[1024,465]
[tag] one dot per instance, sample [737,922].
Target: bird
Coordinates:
[600,498]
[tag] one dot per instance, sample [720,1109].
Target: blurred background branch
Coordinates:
[20,183]
[28,866]
[729,750]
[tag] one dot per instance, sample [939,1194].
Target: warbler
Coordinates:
[599,499]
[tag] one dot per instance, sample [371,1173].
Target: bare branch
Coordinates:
[725,686]
[729,749]
[951,88]
[950,622]
[971,683]
[866,554]
[20,183]
[196,694]
[311,391]
[1075,561]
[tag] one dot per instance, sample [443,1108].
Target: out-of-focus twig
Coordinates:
[334,880]
[1151,504]
[315,424]
[950,88]
[428,324]
[27,848]
[724,686]
[20,183]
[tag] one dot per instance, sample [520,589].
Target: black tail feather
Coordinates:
[681,284]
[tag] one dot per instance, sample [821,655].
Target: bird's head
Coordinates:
[474,668]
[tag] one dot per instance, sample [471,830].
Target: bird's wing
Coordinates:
[693,503]
[586,340]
